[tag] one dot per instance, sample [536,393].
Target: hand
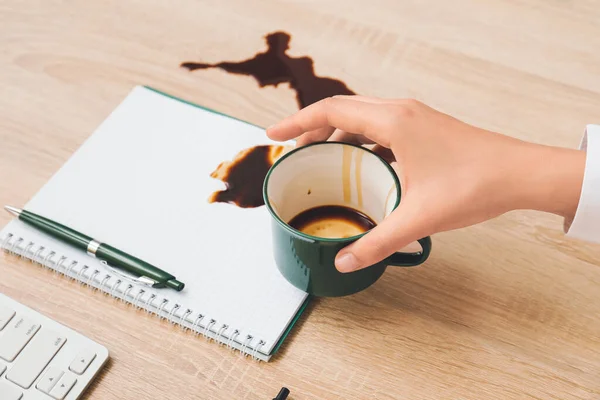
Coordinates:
[452,174]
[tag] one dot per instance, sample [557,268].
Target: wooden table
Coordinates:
[509,309]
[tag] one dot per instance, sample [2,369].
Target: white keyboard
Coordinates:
[42,359]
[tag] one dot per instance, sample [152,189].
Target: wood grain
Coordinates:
[508,309]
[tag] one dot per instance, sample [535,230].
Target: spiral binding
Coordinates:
[126,292]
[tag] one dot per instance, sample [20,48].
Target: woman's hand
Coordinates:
[452,174]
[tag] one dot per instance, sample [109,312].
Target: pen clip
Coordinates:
[144,280]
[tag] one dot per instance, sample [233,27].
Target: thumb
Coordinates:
[399,229]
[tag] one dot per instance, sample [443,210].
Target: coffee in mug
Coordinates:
[332,221]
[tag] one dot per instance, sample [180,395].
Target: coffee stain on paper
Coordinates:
[244,175]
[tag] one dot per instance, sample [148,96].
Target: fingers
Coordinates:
[344,113]
[398,230]
[385,153]
[331,134]
[368,99]
[343,136]
[317,135]
[379,100]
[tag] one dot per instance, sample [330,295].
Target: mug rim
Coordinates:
[317,238]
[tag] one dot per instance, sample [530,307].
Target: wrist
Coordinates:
[549,179]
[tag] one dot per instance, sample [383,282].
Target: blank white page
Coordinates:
[141,183]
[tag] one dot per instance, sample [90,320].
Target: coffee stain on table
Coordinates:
[274,66]
[245,174]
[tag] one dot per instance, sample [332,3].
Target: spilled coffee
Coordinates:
[245,174]
[332,222]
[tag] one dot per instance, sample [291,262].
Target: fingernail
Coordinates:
[346,263]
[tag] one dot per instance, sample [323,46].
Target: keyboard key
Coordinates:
[16,335]
[9,391]
[6,315]
[49,379]
[63,386]
[2,369]
[82,361]
[35,357]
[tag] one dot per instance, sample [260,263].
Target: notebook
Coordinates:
[142,182]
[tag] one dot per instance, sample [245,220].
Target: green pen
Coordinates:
[145,273]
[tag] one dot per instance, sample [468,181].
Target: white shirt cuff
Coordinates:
[586,223]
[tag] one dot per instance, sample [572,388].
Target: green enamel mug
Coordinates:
[326,174]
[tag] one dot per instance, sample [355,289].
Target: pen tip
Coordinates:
[175,284]
[14,211]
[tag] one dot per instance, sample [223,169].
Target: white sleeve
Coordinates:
[586,223]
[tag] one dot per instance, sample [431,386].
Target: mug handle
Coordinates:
[411,259]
